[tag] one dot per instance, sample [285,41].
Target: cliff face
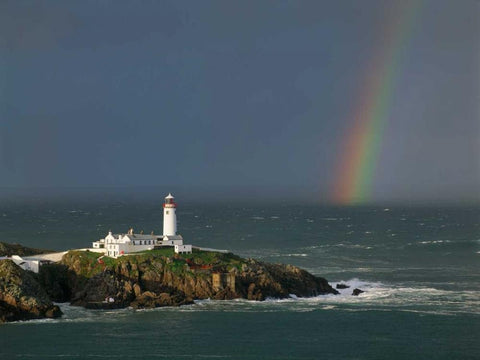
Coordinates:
[259,280]
[21,296]
[159,278]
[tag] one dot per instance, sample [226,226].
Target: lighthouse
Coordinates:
[169,216]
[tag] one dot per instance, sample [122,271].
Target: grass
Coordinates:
[88,260]
[217,259]
[175,262]
[166,251]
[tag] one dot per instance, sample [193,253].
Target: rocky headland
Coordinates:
[161,278]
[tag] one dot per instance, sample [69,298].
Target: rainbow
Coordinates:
[362,141]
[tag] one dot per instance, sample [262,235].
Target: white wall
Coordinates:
[169,221]
[170,242]
[115,250]
[183,249]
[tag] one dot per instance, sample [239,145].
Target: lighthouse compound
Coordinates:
[115,245]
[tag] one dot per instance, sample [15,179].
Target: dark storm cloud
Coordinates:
[33,25]
[45,24]
[6,151]
[250,94]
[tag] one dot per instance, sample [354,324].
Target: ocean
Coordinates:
[419,268]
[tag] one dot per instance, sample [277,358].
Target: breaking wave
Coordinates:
[377,296]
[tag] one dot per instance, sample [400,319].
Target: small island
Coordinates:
[119,272]
[148,279]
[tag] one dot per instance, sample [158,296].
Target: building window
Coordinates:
[166,212]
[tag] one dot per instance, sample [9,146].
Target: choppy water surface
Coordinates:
[419,268]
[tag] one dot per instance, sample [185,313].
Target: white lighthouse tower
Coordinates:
[169,216]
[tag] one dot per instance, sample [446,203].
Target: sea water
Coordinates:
[419,268]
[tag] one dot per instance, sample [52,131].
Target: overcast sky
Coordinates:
[252,94]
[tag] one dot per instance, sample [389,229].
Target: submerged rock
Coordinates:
[357,292]
[342,286]
[21,296]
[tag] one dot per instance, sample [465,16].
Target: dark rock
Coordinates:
[56,280]
[342,286]
[103,305]
[357,292]
[150,300]
[21,296]
[53,312]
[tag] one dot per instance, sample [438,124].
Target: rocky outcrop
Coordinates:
[258,281]
[357,292]
[21,296]
[20,250]
[154,279]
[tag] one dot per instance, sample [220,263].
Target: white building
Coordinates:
[183,249]
[120,244]
[26,264]
[115,245]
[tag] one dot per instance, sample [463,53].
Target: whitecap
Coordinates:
[434,242]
